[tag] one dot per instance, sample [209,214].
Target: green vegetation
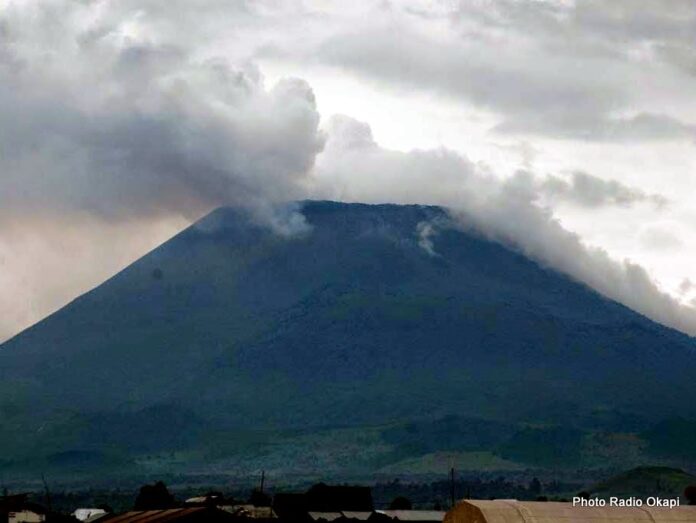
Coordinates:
[545,447]
[673,438]
[645,481]
[434,464]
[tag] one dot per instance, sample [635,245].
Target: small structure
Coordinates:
[356,515]
[325,516]
[88,515]
[513,511]
[413,516]
[180,515]
[27,515]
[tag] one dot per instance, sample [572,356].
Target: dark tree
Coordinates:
[535,487]
[690,494]
[584,494]
[154,497]
[401,503]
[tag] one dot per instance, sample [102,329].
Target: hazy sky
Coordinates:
[565,128]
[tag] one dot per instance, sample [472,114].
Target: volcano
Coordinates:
[374,315]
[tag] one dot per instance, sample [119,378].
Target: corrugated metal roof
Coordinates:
[414,515]
[351,514]
[510,511]
[147,516]
[86,514]
[327,516]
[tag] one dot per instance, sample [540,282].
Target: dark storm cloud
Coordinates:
[96,122]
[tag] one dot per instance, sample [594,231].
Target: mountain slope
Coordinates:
[352,323]
[643,482]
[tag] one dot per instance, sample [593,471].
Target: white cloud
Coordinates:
[354,168]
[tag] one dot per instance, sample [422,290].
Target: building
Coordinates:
[325,517]
[413,516]
[377,516]
[356,515]
[179,515]
[325,503]
[18,509]
[513,511]
[27,515]
[89,515]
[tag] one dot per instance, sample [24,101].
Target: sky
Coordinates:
[564,129]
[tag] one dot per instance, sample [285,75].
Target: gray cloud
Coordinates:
[597,127]
[686,286]
[590,191]
[660,238]
[569,70]
[95,122]
[494,79]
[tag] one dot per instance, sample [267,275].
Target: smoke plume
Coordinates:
[111,140]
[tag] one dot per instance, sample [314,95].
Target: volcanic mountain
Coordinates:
[373,315]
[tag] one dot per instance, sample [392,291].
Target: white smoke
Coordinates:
[355,168]
[426,231]
[104,131]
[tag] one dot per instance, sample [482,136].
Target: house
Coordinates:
[513,511]
[18,509]
[27,515]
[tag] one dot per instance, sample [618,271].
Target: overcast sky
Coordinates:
[566,129]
